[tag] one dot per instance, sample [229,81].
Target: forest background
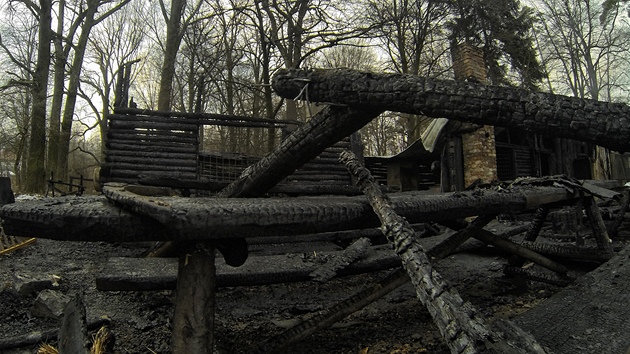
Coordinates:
[60,62]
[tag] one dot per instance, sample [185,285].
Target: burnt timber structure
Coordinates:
[602,123]
[155,214]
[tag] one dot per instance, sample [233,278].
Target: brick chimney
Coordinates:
[479,150]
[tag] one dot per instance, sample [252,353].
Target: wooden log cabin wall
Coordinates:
[167,149]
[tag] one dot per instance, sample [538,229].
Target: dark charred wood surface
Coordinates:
[94,219]
[208,218]
[590,315]
[193,316]
[78,218]
[602,123]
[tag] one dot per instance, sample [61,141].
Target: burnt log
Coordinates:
[148,147]
[199,118]
[212,218]
[149,274]
[94,219]
[44,336]
[323,130]
[462,327]
[602,123]
[85,218]
[355,251]
[613,229]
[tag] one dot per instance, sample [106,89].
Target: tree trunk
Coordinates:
[35,170]
[73,86]
[601,123]
[173,39]
[57,94]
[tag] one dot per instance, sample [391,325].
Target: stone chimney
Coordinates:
[479,150]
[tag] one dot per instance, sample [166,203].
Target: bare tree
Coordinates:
[18,43]
[177,21]
[416,42]
[74,73]
[35,171]
[114,43]
[587,53]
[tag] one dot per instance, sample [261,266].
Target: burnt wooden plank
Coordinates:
[145,146]
[184,161]
[150,154]
[131,135]
[154,126]
[147,166]
[140,274]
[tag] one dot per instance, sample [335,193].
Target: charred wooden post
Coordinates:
[193,320]
[613,229]
[600,233]
[602,123]
[73,330]
[461,326]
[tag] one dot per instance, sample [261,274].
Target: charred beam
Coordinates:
[462,327]
[323,130]
[602,123]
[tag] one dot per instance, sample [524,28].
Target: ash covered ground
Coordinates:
[246,316]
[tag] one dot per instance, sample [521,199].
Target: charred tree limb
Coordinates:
[602,123]
[323,130]
[334,314]
[44,336]
[461,326]
[568,251]
[510,247]
[537,223]
[353,252]
[538,276]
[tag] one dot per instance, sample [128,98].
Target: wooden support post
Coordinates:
[462,327]
[613,229]
[193,319]
[597,225]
